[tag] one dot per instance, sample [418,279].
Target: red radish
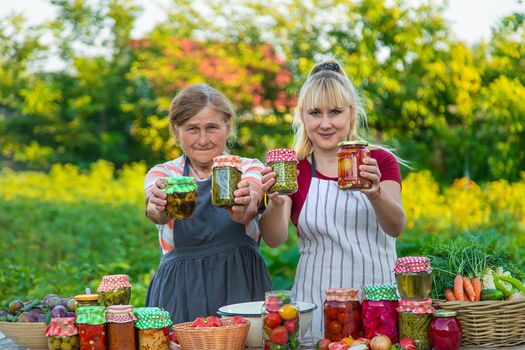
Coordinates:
[199,322]
[322,344]
[238,320]
[407,344]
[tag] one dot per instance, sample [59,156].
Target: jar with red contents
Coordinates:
[280,321]
[342,314]
[445,330]
[350,156]
[91,322]
[152,324]
[380,312]
[115,290]
[121,327]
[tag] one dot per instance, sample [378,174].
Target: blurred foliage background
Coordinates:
[76,143]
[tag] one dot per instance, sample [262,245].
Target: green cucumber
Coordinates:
[491,294]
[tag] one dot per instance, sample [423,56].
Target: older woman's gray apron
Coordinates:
[214,263]
[341,245]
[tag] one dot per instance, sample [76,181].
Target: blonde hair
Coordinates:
[326,85]
[190,101]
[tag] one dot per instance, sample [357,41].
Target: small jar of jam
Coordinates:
[445,330]
[153,328]
[87,300]
[91,322]
[349,157]
[181,194]
[283,162]
[380,312]
[280,321]
[413,277]
[414,321]
[342,314]
[115,290]
[62,334]
[120,327]
[226,176]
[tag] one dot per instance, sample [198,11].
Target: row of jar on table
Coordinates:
[227,171]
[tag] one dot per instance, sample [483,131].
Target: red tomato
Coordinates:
[279,335]
[334,327]
[199,322]
[238,320]
[340,345]
[291,326]
[272,319]
[331,313]
[343,318]
[322,344]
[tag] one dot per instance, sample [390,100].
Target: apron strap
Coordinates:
[313,166]
[186,171]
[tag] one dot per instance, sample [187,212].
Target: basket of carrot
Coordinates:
[482,285]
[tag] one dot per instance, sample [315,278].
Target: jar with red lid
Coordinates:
[226,175]
[342,314]
[91,322]
[414,321]
[115,290]
[445,330]
[413,277]
[62,334]
[120,327]
[283,162]
[380,312]
[280,321]
[350,156]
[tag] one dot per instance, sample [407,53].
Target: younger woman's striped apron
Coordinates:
[341,244]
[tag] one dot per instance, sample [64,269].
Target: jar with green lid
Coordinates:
[380,312]
[62,334]
[153,328]
[87,300]
[91,322]
[226,176]
[181,194]
[283,162]
[120,327]
[414,322]
[115,290]
[413,277]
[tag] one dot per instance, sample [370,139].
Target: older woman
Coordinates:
[213,258]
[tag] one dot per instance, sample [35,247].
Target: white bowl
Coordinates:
[252,312]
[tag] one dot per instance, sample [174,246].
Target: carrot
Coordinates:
[469,289]
[458,288]
[476,283]
[449,295]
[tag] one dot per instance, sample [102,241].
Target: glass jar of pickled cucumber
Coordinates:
[413,277]
[62,334]
[342,314]
[414,321]
[283,162]
[181,194]
[115,290]
[380,312]
[280,321]
[349,157]
[91,322]
[226,176]
[120,327]
[87,300]
[152,324]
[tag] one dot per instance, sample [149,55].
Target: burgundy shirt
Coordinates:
[386,161]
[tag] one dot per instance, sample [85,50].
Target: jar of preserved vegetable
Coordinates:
[445,330]
[226,176]
[349,157]
[152,324]
[120,327]
[380,312]
[91,322]
[115,290]
[283,162]
[181,194]
[342,314]
[62,334]
[280,321]
[87,300]
[413,277]
[414,321]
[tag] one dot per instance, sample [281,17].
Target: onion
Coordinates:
[380,342]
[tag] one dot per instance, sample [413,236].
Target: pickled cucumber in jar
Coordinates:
[226,176]
[181,194]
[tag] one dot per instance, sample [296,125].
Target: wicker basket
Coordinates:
[27,334]
[231,337]
[489,324]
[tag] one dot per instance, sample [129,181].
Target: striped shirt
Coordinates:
[251,171]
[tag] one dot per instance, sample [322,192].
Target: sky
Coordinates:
[471,20]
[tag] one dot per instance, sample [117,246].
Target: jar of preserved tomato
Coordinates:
[280,321]
[181,197]
[283,162]
[445,330]
[62,334]
[414,321]
[413,277]
[153,328]
[226,176]
[115,290]
[91,322]
[349,157]
[342,314]
[120,327]
[87,300]
[380,312]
